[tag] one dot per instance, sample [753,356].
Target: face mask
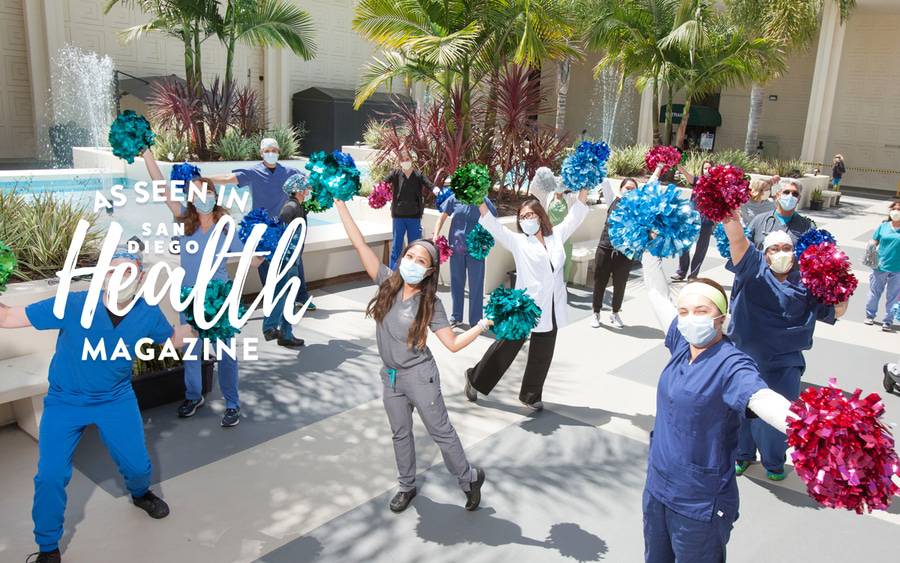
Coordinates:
[207,205]
[406,165]
[125,294]
[530,226]
[781,262]
[787,202]
[698,330]
[411,272]
[270,157]
[895,215]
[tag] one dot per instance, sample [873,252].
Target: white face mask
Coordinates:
[530,226]
[124,295]
[698,330]
[406,165]
[270,157]
[781,262]
[895,215]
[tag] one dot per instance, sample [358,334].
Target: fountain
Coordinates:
[612,116]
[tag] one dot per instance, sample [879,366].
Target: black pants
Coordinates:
[487,373]
[610,262]
[691,268]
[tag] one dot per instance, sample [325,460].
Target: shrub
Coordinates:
[627,161]
[40,229]
[289,139]
[234,146]
[374,133]
[378,171]
[170,146]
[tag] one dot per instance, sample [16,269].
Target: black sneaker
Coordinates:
[45,557]
[473,495]
[271,334]
[401,500]
[291,342]
[676,277]
[536,406]
[154,506]
[189,408]
[888,380]
[231,418]
[471,393]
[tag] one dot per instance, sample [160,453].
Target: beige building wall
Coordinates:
[17,139]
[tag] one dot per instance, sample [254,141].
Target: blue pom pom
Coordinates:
[184,172]
[514,312]
[274,230]
[600,149]
[479,243]
[812,237]
[442,196]
[582,170]
[657,209]
[722,243]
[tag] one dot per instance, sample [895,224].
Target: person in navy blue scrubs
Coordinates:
[773,322]
[85,392]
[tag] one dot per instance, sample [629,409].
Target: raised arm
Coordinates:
[456,342]
[367,256]
[737,240]
[655,176]
[574,218]
[687,175]
[500,233]
[13,317]
[658,291]
[157,176]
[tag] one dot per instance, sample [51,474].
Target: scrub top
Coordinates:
[463,219]
[266,185]
[90,381]
[699,409]
[772,322]
[763,224]
[888,247]
[191,261]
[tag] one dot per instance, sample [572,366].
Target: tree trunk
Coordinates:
[229,61]
[667,133]
[682,127]
[757,94]
[563,69]
[198,67]
[656,99]
[188,57]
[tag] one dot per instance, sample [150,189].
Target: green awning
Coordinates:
[701,116]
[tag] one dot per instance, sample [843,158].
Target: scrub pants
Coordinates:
[691,268]
[408,227]
[670,537]
[276,320]
[227,368]
[419,388]
[879,281]
[608,262]
[122,430]
[755,434]
[461,264]
[303,294]
[488,372]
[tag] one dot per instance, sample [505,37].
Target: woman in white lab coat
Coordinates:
[538,250]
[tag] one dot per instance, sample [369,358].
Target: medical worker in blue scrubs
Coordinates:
[773,320]
[91,392]
[463,219]
[709,386]
[199,219]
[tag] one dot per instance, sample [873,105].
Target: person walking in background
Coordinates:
[688,268]
[760,199]
[463,218]
[409,187]
[886,276]
[838,169]
[783,218]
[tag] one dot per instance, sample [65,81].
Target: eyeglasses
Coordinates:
[528,216]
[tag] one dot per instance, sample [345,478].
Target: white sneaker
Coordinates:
[616,321]
[595,321]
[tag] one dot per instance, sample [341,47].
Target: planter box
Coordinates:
[164,387]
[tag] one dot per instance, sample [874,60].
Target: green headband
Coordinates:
[708,291]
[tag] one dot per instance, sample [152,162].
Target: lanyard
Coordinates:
[392,378]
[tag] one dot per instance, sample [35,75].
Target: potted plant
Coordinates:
[815,200]
[161,381]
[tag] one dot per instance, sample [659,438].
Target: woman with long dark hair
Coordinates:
[405,308]
[539,252]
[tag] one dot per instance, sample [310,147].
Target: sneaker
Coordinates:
[291,342]
[676,277]
[454,323]
[189,408]
[271,334]
[471,393]
[775,475]
[154,506]
[401,500]
[231,418]
[536,406]
[45,557]
[887,327]
[869,321]
[888,380]
[740,467]
[616,320]
[311,307]
[595,320]
[473,495]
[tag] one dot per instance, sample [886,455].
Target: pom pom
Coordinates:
[843,453]
[442,196]
[471,183]
[295,184]
[586,167]
[722,243]
[661,154]
[825,271]
[896,311]
[720,191]
[274,229]
[130,135]
[184,172]
[812,237]
[514,313]
[479,243]
[381,195]
[7,264]
[332,176]
[313,205]
[216,293]
[443,246]
[544,182]
[657,209]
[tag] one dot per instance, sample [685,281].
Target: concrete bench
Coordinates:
[582,256]
[829,198]
[24,384]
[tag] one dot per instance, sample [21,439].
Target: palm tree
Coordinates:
[265,23]
[793,23]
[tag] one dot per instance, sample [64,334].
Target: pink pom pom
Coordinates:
[381,195]
[661,154]
[444,249]
[825,271]
[720,191]
[843,453]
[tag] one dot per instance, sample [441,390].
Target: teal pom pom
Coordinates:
[216,293]
[514,312]
[332,176]
[130,135]
[479,243]
[657,209]
[471,183]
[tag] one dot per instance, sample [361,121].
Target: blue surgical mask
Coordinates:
[270,157]
[698,330]
[207,205]
[530,226]
[787,202]
[411,272]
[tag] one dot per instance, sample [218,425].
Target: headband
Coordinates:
[432,250]
[708,291]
